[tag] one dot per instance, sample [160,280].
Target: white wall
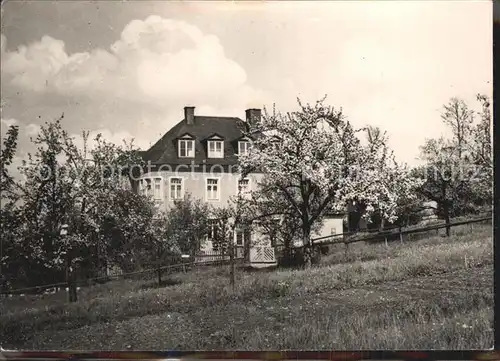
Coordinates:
[331,225]
[195,184]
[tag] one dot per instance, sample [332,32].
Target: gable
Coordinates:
[186,136]
[215,136]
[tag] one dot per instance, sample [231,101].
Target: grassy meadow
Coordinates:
[433,293]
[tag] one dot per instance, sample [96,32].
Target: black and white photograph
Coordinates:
[246,175]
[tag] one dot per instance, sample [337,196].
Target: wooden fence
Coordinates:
[391,233]
[210,258]
[215,258]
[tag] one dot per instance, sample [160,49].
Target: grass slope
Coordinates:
[434,294]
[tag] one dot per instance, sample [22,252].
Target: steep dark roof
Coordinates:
[164,151]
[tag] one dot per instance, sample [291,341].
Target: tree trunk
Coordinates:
[97,261]
[447,220]
[446,211]
[382,224]
[446,208]
[247,244]
[231,260]
[287,252]
[72,288]
[221,260]
[308,256]
[307,249]
[70,280]
[287,255]
[159,266]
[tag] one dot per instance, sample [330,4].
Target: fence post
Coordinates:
[158,269]
[346,250]
[400,235]
[386,241]
[231,260]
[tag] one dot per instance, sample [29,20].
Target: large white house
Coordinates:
[199,155]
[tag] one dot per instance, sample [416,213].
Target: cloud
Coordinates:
[32,129]
[389,64]
[156,60]
[5,125]
[135,89]
[117,138]
[8,122]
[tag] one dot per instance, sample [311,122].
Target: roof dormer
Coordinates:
[185,146]
[214,136]
[215,146]
[242,144]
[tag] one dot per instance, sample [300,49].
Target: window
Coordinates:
[213,189]
[186,148]
[218,244]
[176,189]
[241,236]
[151,187]
[145,186]
[215,149]
[244,186]
[212,230]
[157,189]
[243,147]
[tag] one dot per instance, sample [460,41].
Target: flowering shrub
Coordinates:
[82,188]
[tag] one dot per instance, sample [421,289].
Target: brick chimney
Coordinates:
[189,115]
[253,115]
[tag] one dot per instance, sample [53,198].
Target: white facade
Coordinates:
[331,225]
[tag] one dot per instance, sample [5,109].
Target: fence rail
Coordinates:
[205,260]
[211,258]
[239,252]
[394,231]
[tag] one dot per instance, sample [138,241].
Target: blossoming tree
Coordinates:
[315,161]
[79,190]
[458,174]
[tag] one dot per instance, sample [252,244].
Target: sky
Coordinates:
[126,69]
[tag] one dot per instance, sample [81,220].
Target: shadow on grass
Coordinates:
[164,283]
[252,270]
